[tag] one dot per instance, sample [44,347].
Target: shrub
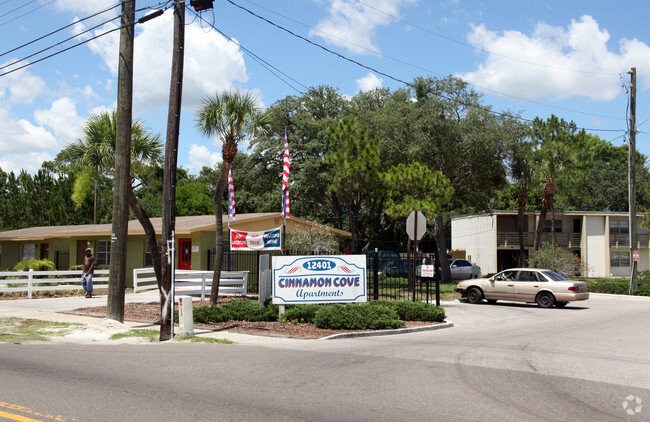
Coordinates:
[301,313]
[36,265]
[554,258]
[414,311]
[238,310]
[357,317]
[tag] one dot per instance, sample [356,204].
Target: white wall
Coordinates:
[476,235]
[597,253]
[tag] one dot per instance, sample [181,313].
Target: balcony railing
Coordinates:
[567,240]
[511,239]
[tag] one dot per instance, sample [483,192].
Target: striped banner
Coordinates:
[285,179]
[231,197]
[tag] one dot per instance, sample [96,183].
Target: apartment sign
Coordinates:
[319,279]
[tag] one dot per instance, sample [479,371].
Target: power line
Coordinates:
[72,46]
[341,56]
[26,13]
[258,59]
[58,30]
[482,49]
[19,7]
[526,100]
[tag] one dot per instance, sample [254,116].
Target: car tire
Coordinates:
[474,295]
[545,300]
[561,304]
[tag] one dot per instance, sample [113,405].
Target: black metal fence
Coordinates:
[389,278]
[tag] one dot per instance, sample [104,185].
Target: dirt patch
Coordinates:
[150,313]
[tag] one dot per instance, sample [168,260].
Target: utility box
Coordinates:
[185,316]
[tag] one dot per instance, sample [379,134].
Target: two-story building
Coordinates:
[600,239]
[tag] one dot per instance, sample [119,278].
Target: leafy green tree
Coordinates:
[231,116]
[354,173]
[415,187]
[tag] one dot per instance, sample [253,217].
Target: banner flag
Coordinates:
[231,197]
[285,179]
[255,241]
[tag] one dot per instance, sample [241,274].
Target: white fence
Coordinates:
[34,281]
[193,282]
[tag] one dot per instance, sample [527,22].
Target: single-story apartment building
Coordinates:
[194,235]
[600,239]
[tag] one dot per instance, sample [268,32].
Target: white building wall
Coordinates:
[477,237]
[597,253]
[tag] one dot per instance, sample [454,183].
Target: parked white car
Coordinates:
[533,285]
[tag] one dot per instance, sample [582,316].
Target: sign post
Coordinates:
[415,232]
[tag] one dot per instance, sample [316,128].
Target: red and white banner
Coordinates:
[255,241]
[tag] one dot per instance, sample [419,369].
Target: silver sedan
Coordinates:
[533,285]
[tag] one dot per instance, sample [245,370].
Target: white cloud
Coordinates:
[62,117]
[21,86]
[30,162]
[86,8]
[369,82]
[21,136]
[200,156]
[352,24]
[211,64]
[567,62]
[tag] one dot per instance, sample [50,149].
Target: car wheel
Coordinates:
[545,300]
[561,304]
[492,301]
[474,295]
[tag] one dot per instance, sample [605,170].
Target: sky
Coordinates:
[537,58]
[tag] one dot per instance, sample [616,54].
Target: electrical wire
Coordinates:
[257,58]
[341,56]
[26,13]
[382,55]
[19,7]
[58,30]
[482,49]
[75,45]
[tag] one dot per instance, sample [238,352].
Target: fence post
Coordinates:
[375,269]
[30,285]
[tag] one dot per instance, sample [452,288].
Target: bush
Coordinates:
[414,311]
[357,317]
[36,265]
[554,258]
[238,310]
[301,313]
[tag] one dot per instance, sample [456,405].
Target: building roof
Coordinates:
[573,213]
[184,226]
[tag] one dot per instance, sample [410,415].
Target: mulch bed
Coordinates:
[150,313]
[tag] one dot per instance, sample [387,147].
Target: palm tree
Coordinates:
[553,161]
[94,154]
[231,116]
[521,172]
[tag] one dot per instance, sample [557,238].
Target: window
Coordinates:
[27,251]
[527,276]
[507,276]
[619,226]
[558,226]
[619,259]
[103,255]
[148,262]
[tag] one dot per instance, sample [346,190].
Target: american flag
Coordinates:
[231,197]
[285,179]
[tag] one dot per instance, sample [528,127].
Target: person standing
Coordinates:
[88,271]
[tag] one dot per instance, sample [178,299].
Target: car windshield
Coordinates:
[554,276]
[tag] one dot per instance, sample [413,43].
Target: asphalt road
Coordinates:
[504,362]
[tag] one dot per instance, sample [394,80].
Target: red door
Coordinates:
[185,254]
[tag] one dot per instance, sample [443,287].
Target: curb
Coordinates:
[446,324]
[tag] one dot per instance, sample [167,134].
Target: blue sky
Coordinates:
[568,58]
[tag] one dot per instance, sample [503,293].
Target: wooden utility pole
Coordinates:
[169,177]
[632,180]
[122,179]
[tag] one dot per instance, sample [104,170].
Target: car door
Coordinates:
[501,286]
[461,269]
[527,285]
